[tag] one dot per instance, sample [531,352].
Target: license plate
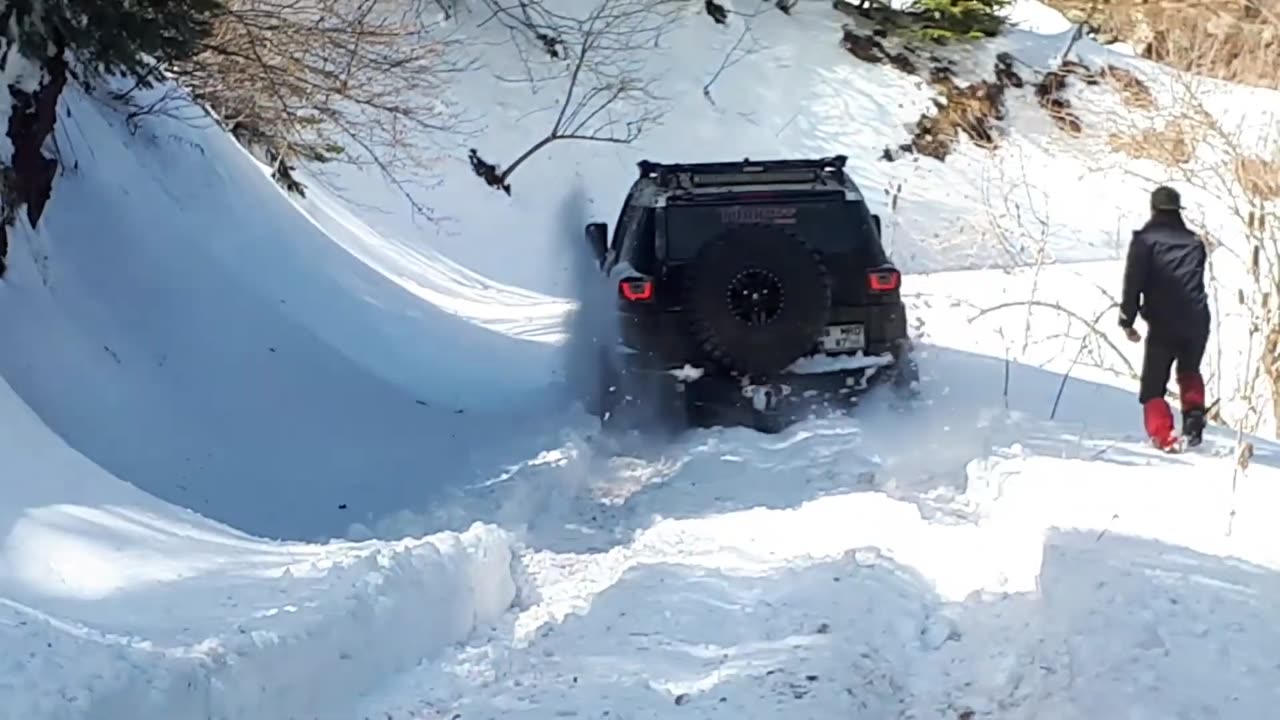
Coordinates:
[843,338]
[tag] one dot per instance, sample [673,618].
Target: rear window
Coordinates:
[639,231]
[837,226]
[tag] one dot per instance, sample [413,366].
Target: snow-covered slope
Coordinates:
[177,319]
[203,380]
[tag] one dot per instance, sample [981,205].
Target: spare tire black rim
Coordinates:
[755,296]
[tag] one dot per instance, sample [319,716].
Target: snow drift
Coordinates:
[114,603]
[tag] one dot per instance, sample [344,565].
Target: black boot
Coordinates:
[1193,427]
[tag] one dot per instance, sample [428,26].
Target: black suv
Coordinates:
[752,289]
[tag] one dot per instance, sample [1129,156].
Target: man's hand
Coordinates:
[1132,334]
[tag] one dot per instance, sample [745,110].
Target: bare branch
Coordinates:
[1233,41]
[1092,326]
[358,82]
[607,97]
[732,57]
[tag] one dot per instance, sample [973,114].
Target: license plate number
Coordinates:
[843,338]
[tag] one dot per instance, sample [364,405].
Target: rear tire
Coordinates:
[646,402]
[906,373]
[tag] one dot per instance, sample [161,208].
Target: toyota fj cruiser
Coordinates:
[747,292]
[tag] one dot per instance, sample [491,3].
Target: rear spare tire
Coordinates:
[757,298]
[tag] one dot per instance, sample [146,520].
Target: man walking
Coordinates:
[1164,282]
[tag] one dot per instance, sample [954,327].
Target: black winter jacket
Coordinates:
[1164,277]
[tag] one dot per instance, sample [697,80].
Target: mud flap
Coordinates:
[904,386]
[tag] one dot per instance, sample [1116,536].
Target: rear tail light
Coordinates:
[636,289]
[884,280]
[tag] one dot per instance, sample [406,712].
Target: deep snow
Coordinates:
[280,458]
[114,604]
[187,328]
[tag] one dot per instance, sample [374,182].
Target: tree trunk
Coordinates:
[34,115]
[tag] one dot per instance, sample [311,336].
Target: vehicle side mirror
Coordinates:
[597,234]
[875,220]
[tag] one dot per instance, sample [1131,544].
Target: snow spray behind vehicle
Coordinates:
[592,328]
[592,325]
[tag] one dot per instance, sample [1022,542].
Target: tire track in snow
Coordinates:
[835,604]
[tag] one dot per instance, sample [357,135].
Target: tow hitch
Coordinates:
[764,398]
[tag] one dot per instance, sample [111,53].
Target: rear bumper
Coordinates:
[771,401]
[787,388]
[664,333]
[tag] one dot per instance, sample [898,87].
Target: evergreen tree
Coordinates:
[87,40]
[959,19]
[109,37]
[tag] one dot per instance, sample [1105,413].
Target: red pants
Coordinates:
[1162,352]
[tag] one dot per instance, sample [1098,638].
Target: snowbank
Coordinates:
[176,319]
[115,604]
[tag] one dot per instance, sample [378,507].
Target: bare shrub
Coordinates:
[1233,41]
[361,82]
[1017,225]
[743,47]
[971,110]
[974,110]
[1173,143]
[868,48]
[607,95]
[1049,94]
[1015,219]
[1213,41]
[933,21]
[1258,177]
[1135,93]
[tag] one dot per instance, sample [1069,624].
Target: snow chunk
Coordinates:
[820,363]
[688,373]
[1038,18]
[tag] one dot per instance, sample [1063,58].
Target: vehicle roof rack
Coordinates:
[747,171]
